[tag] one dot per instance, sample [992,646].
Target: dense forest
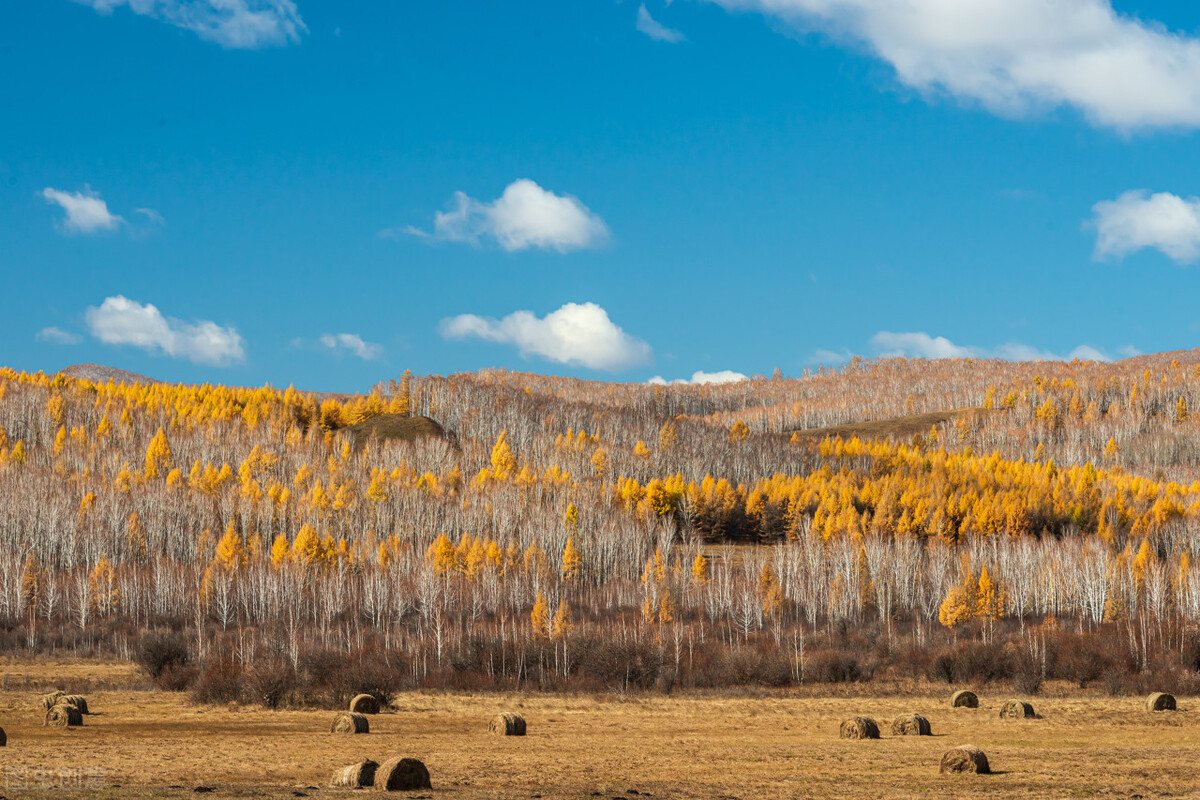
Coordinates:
[279,546]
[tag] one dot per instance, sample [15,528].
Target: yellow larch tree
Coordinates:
[540,617]
[572,563]
[158,456]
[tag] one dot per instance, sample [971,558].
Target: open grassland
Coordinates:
[153,744]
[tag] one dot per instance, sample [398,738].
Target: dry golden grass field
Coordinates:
[142,744]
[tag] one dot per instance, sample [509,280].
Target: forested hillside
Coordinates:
[541,531]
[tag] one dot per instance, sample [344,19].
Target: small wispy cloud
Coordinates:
[352,343]
[85,211]
[525,216]
[918,344]
[700,377]
[232,24]
[656,30]
[53,335]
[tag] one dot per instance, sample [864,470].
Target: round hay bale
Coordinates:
[49,701]
[63,716]
[967,758]
[365,704]
[350,722]
[964,699]
[911,725]
[1160,701]
[859,728]
[1016,709]
[401,774]
[77,700]
[507,725]
[356,776]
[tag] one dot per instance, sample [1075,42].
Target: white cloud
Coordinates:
[700,377]
[1137,219]
[524,216]
[1128,351]
[917,345]
[922,345]
[656,30]
[119,320]
[235,24]
[1016,55]
[86,212]
[352,342]
[574,334]
[57,336]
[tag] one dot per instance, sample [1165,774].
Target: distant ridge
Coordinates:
[98,373]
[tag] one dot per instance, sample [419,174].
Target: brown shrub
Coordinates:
[964,699]
[967,758]
[507,725]
[859,728]
[350,722]
[63,716]
[911,725]
[356,776]
[1160,701]
[365,704]
[1016,709]
[401,774]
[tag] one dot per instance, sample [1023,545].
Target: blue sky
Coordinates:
[328,193]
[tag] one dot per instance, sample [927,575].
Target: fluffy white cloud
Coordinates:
[120,320]
[352,342]
[922,345]
[86,212]
[700,377]
[235,24]
[524,216]
[577,333]
[654,29]
[1138,219]
[57,336]
[1013,55]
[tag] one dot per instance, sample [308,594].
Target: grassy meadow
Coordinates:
[144,743]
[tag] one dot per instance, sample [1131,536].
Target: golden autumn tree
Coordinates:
[540,617]
[158,456]
[572,563]
[700,569]
[504,460]
[562,624]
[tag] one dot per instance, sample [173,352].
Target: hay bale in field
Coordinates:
[356,776]
[1016,709]
[1160,701]
[967,758]
[507,725]
[350,722]
[964,699]
[859,728]
[49,701]
[911,725]
[365,704]
[401,774]
[63,716]
[77,700]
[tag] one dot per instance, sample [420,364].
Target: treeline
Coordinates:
[566,526]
